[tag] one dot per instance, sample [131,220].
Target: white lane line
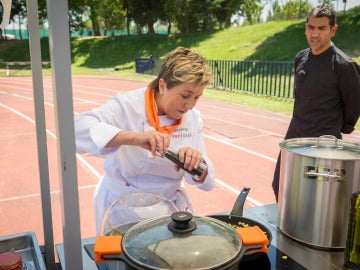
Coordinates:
[49,85]
[237,192]
[31,99]
[18,113]
[81,159]
[50,92]
[241,148]
[38,194]
[279,118]
[113,91]
[204,116]
[240,125]
[207,136]
[91,168]
[204,103]
[99,176]
[82,101]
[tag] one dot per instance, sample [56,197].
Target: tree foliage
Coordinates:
[292,10]
[185,15]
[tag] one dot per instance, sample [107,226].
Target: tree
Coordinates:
[181,13]
[187,15]
[18,10]
[291,10]
[250,9]
[210,14]
[146,13]
[112,14]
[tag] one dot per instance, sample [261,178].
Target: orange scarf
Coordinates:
[152,116]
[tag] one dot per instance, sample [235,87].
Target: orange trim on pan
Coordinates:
[107,245]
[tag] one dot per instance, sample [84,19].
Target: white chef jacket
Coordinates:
[132,168]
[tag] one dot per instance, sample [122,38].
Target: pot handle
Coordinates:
[107,248]
[253,239]
[324,174]
[239,203]
[329,137]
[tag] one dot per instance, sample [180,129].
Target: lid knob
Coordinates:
[181,222]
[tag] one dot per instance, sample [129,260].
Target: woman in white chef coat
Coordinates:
[134,128]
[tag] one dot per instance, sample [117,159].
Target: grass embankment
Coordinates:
[272,41]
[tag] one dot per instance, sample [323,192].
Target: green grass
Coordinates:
[271,104]
[271,41]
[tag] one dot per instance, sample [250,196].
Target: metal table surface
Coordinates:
[305,256]
[309,258]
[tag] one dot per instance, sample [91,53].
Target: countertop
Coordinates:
[307,257]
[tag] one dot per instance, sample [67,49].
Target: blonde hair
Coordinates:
[183,66]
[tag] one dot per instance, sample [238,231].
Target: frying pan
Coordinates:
[235,217]
[144,247]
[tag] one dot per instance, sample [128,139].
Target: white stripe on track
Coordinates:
[279,118]
[241,148]
[81,159]
[237,192]
[204,116]
[38,194]
[99,176]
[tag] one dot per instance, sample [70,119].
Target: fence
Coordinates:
[24,33]
[272,78]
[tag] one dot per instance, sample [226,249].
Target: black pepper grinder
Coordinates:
[352,250]
[174,157]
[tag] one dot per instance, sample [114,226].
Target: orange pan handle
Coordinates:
[253,238]
[107,245]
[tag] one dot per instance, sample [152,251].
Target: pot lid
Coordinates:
[133,208]
[181,241]
[326,147]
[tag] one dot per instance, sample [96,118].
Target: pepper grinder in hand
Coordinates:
[174,157]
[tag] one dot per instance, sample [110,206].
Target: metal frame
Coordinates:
[59,38]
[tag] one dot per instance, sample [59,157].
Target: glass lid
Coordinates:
[181,241]
[133,208]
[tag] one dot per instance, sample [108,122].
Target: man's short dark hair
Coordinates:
[323,10]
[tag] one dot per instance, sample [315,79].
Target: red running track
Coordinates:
[242,143]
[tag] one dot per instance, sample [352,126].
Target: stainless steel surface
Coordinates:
[317,178]
[87,262]
[312,259]
[26,245]
[327,147]
[60,54]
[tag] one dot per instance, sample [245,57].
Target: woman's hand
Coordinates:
[191,158]
[153,140]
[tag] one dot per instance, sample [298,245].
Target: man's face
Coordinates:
[319,33]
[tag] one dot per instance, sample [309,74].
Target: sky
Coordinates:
[338,5]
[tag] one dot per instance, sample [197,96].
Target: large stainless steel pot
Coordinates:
[317,178]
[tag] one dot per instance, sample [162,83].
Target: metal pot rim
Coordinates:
[327,147]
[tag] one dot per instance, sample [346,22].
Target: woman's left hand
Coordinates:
[191,158]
